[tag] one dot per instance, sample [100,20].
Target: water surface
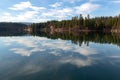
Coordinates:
[54,58]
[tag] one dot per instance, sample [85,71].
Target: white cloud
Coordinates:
[21,6]
[21,17]
[58,13]
[7,14]
[94,0]
[37,8]
[6,17]
[32,13]
[25,5]
[72,1]
[27,15]
[57,4]
[86,8]
[116,1]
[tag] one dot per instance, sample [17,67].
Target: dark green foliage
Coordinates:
[82,23]
[7,26]
[86,37]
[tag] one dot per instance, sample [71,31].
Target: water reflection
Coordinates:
[42,58]
[86,37]
[28,45]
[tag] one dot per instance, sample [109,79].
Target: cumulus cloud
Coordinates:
[7,17]
[70,11]
[29,13]
[26,12]
[72,1]
[94,0]
[116,1]
[57,4]
[30,16]
[21,6]
[24,6]
[86,8]
[23,16]
[58,13]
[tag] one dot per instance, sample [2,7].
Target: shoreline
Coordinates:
[76,30]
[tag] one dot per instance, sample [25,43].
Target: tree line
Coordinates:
[9,26]
[81,23]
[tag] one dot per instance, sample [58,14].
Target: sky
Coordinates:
[46,10]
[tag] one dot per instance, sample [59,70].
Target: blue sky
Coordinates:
[44,10]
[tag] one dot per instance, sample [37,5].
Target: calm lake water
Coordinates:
[60,57]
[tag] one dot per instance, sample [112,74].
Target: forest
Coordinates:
[10,26]
[80,23]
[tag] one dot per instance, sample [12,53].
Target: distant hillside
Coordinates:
[5,26]
[27,23]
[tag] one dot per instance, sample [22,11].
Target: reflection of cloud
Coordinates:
[85,51]
[37,50]
[26,43]
[30,69]
[23,41]
[25,52]
[27,46]
[115,57]
[21,51]
[7,44]
[77,61]
[55,53]
[57,45]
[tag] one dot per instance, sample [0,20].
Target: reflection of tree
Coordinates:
[12,33]
[86,37]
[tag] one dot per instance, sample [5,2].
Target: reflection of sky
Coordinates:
[28,45]
[29,55]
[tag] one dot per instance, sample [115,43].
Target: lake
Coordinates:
[60,56]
